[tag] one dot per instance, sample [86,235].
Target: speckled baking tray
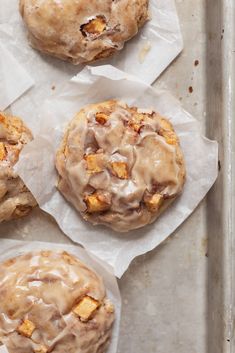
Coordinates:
[179,298]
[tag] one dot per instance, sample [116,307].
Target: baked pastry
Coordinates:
[52,302]
[80,32]
[120,166]
[15,199]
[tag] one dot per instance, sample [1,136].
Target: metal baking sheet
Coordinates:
[179,298]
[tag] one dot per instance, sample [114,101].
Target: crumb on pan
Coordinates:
[144,52]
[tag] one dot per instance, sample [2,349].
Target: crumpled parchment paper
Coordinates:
[3,349]
[14,79]
[147,55]
[36,165]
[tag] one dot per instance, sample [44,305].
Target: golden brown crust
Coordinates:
[73,31]
[15,199]
[128,164]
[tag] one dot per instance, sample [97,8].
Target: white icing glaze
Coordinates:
[43,287]
[15,198]
[154,166]
[55,26]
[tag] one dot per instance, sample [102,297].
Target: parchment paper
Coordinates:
[11,248]
[14,79]
[36,165]
[160,39]
[3,349]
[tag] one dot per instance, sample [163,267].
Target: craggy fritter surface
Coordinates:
[15,199]
[52,302]
[82,31]
[120,166]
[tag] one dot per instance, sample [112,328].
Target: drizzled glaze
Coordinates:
[154,163]
[56,26]
[43,287]
[15,198]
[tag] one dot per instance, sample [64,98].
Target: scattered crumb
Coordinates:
[222,35]
[219,165]
[196,62]
[190,89]
[53,87]
[204,246]
[144,51]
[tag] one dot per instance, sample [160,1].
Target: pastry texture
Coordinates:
[82,31]
[15,199]
[52,302]
[120,166]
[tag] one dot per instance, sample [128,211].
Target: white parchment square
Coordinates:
[161,35]
[36,165]
[14,79]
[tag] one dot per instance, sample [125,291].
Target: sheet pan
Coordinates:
[179,298]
